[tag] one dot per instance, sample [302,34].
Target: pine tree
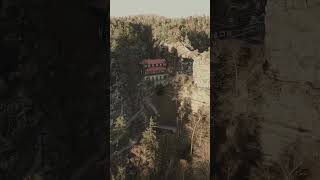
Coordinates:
[121,174]
[149,138]
[119,127]
[144,154]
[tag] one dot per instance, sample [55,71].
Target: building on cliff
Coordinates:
[155,70]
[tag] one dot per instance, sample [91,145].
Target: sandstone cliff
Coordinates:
[269,99]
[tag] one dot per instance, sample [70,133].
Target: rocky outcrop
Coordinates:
[200,88]
[269,95]
[291,107]
[194,106]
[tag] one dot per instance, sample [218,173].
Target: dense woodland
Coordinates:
[155,156]
[194,31]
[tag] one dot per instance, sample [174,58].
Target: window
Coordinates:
[146,65]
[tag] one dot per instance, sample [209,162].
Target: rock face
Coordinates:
[194,93]
[270,92]
[201,79]
[237,71]
[291,108]
[200,88]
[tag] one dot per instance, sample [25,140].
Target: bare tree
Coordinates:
[183,166]
[195,125]
[262,172]
[292,162]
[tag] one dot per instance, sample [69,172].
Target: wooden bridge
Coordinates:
[169,128]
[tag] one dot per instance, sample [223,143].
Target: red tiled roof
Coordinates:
[154,61]
[155,69]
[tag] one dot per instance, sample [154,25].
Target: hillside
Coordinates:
[142,37]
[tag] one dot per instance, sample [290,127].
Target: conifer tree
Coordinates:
[119,127]
[149,139]
[121,174]
[144,154]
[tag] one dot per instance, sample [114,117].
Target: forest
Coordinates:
[138,149]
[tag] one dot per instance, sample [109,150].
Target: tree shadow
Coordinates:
[132,46]
[199,40]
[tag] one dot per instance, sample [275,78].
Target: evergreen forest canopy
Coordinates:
[194,31]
